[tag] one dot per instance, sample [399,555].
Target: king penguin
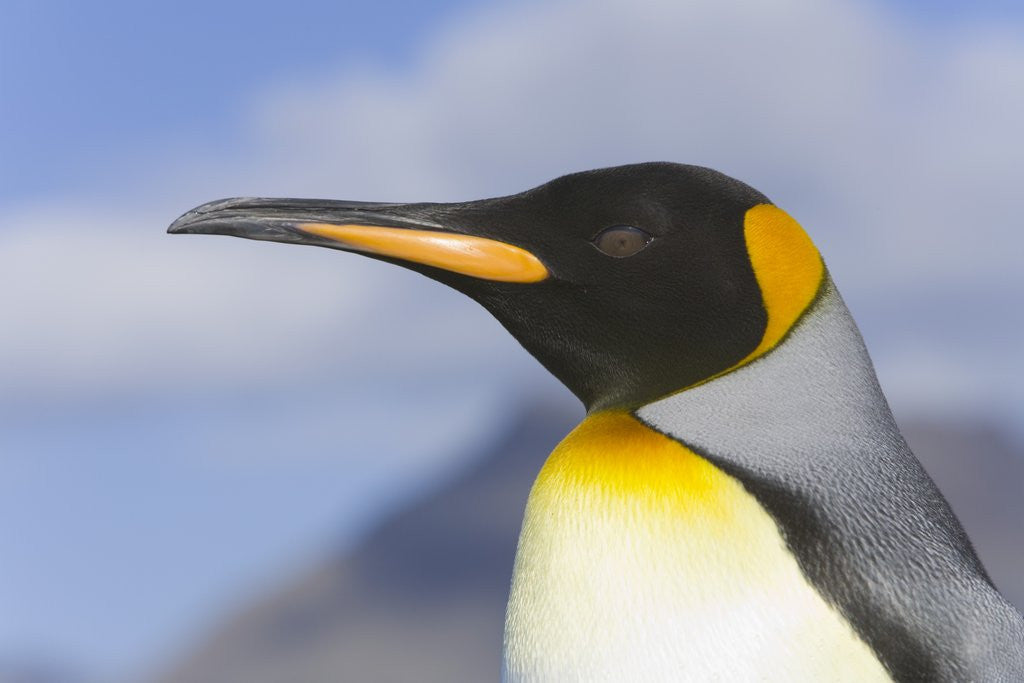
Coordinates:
[738,503]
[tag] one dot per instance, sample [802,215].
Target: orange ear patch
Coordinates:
[788,268]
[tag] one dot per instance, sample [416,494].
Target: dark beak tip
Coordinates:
[185,224]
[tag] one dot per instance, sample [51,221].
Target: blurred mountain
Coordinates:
[980,469]
[423,597]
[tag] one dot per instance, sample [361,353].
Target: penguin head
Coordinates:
[627,283]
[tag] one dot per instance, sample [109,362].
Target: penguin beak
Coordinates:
[405,233]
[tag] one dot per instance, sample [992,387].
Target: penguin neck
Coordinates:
[641,558]
[814,392]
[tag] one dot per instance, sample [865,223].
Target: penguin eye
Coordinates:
[621,241]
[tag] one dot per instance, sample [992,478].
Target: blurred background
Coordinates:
[224,460]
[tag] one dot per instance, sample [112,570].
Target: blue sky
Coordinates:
[162,455]
[86,81]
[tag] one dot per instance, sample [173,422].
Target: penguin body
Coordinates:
[738,504]
[640,560]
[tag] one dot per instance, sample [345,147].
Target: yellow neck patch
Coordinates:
[788,268]
[616,455]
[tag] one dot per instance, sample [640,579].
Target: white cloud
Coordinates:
[92,301]
[898,147]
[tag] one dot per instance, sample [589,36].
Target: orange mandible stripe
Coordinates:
[466,254]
